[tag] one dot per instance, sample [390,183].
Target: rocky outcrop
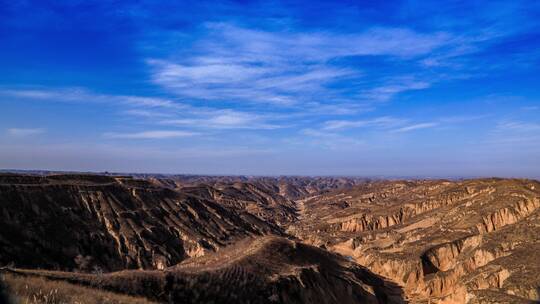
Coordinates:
[445,256]
[444,242]
[369,222]
[114,223]
[508,215]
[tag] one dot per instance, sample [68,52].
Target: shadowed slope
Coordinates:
[261,270]
[118,222]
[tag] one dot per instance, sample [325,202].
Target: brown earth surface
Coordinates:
[444,242]
[195,239]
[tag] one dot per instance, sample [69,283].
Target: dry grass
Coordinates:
[36,290]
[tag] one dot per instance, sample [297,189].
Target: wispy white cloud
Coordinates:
[284,68]
[23,132]
[395,124]
[337,108]
[158,110]
[518,126]
[148,113]
[418,126]
[225,119]
[157,134]
[390,88]
[461,118]
[246,82]
[86,96]
[383,122]
[320,46]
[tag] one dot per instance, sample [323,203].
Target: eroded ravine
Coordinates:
[443,242]
[471,241]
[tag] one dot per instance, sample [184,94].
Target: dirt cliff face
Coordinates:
[285,240]
[444,242]
[112,223]
[263,201]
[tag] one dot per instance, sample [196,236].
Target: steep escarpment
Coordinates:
[111,223]
[262,270]
[261,201]
[444,242]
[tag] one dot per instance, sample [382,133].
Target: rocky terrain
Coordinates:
[198,239]
[291,187]
[475,241]
[114,223]
[262,270]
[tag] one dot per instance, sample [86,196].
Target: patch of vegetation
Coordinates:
[36,290]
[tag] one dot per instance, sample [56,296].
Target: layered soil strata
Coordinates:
[114,223]
[444,242]
[284,240]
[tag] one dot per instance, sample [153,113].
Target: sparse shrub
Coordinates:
[83,262]
[36,290]
[97,270]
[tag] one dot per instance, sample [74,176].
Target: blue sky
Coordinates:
[385,88]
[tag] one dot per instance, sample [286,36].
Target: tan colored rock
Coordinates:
[444,242]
